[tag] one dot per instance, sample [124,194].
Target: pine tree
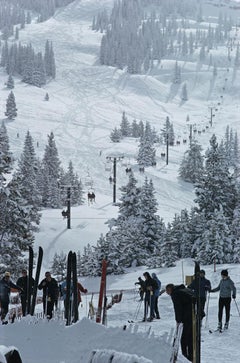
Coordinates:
[27,178]
[6,157]
[125,126]
[191,167]
[51,173]
[16,233]
[11,110]
[147,152]
[59,265]
[116,135]
[217,188]
[10,82]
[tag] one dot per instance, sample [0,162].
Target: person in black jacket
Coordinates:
[5,288]
[183,299]
[205,286]
[23,283]
[150,285]
[50,294]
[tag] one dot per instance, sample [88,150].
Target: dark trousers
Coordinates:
[156,311]
[224,302]
[201,304]
[48,306]
[24,304]
[4,308]
[149,301]
[187,341]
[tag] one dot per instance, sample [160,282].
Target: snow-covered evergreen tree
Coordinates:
[59,265]
[216,189]
[50,174]
[10,82]
[11,110]
[147,152]
[116,135]
[191,167]
[27,178]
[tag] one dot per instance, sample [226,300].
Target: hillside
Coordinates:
[87,101]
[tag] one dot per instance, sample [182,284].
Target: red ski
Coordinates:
[102,292]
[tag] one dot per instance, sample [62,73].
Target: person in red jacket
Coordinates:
[80,289]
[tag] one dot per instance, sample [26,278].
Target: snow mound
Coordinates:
[105,356]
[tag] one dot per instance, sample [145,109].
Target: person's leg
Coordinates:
[4,309]
[227,310]
[24,304]
[187,341]
[145,308]
[184,341]
[156,308]
[220,312]
[202,301]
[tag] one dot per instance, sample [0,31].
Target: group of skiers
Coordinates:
[50,287]
[184,301]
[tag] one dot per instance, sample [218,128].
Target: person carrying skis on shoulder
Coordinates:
[205,286]
[156,295]
[226,288]
[5,288]
[23,283]
[183,299]
[50,294]
[149,300]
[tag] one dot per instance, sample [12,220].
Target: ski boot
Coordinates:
[226,325]
[219,328]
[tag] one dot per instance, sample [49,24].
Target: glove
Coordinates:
[234,297]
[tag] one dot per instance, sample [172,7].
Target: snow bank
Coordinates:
[105,356]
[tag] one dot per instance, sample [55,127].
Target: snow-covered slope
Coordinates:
[87,101]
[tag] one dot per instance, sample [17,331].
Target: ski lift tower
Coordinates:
[114,159]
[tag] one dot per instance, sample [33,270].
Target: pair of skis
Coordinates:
[71,302]
[176,342]
[102,308]
[32,290]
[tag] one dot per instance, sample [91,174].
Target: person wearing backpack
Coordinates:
[149,299]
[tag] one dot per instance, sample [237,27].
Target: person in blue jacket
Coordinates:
[156,295]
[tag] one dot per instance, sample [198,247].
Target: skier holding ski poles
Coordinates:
[149,299]
[50,294]
[226,288]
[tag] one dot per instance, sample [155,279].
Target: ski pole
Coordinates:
[237,307]
[208,298]
[137,310]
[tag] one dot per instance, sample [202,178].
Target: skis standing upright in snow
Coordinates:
[102,292]
[176,342]
[68,289]
[197,318]
[71,301]
[75,288]
[29,279]
[36,281]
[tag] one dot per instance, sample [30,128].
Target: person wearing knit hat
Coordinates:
[227,291]
[5,288]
